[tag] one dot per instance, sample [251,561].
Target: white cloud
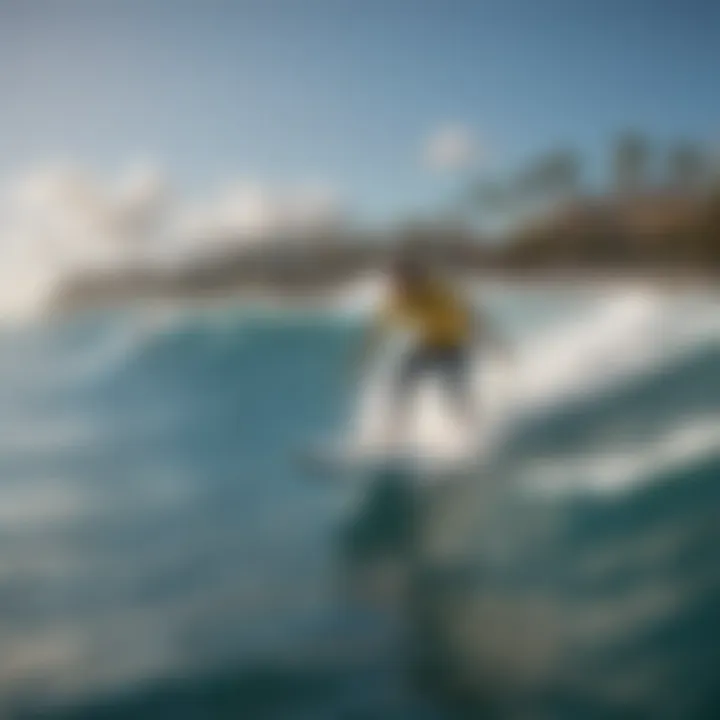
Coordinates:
[59,220]
[246,213]
[451,148]
[140,199]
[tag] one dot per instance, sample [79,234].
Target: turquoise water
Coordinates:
[166,553]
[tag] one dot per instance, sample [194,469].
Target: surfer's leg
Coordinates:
[410,371]
[455,369]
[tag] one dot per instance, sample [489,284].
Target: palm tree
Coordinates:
[631,158]
[687,167]
[489,198]
[554,177]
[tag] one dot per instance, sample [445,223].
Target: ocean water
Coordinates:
[167,552]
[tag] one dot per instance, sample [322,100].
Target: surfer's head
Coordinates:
[408,271]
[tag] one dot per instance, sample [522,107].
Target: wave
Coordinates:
[578,571]
[148,485]
[570,368]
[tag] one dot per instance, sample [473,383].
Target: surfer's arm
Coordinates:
[370,341]
[486,333]
[375,334]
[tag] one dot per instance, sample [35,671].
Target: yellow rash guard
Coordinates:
[434,312]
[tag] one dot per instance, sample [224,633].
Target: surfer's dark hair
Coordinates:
[408,263]
[407,267]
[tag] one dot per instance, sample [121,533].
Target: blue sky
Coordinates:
[345,92]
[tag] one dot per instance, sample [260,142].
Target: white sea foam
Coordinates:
[621,338]
[40,503]
[615,470]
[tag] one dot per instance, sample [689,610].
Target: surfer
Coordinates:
[444,329]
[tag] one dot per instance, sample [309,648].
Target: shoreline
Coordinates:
[68,301]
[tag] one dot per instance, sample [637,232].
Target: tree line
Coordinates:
[650,205]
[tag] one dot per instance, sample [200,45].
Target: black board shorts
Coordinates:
[449,363]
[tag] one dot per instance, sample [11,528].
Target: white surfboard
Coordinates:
[359,456]
[434,441]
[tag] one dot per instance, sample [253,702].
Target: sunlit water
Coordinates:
[167,553]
